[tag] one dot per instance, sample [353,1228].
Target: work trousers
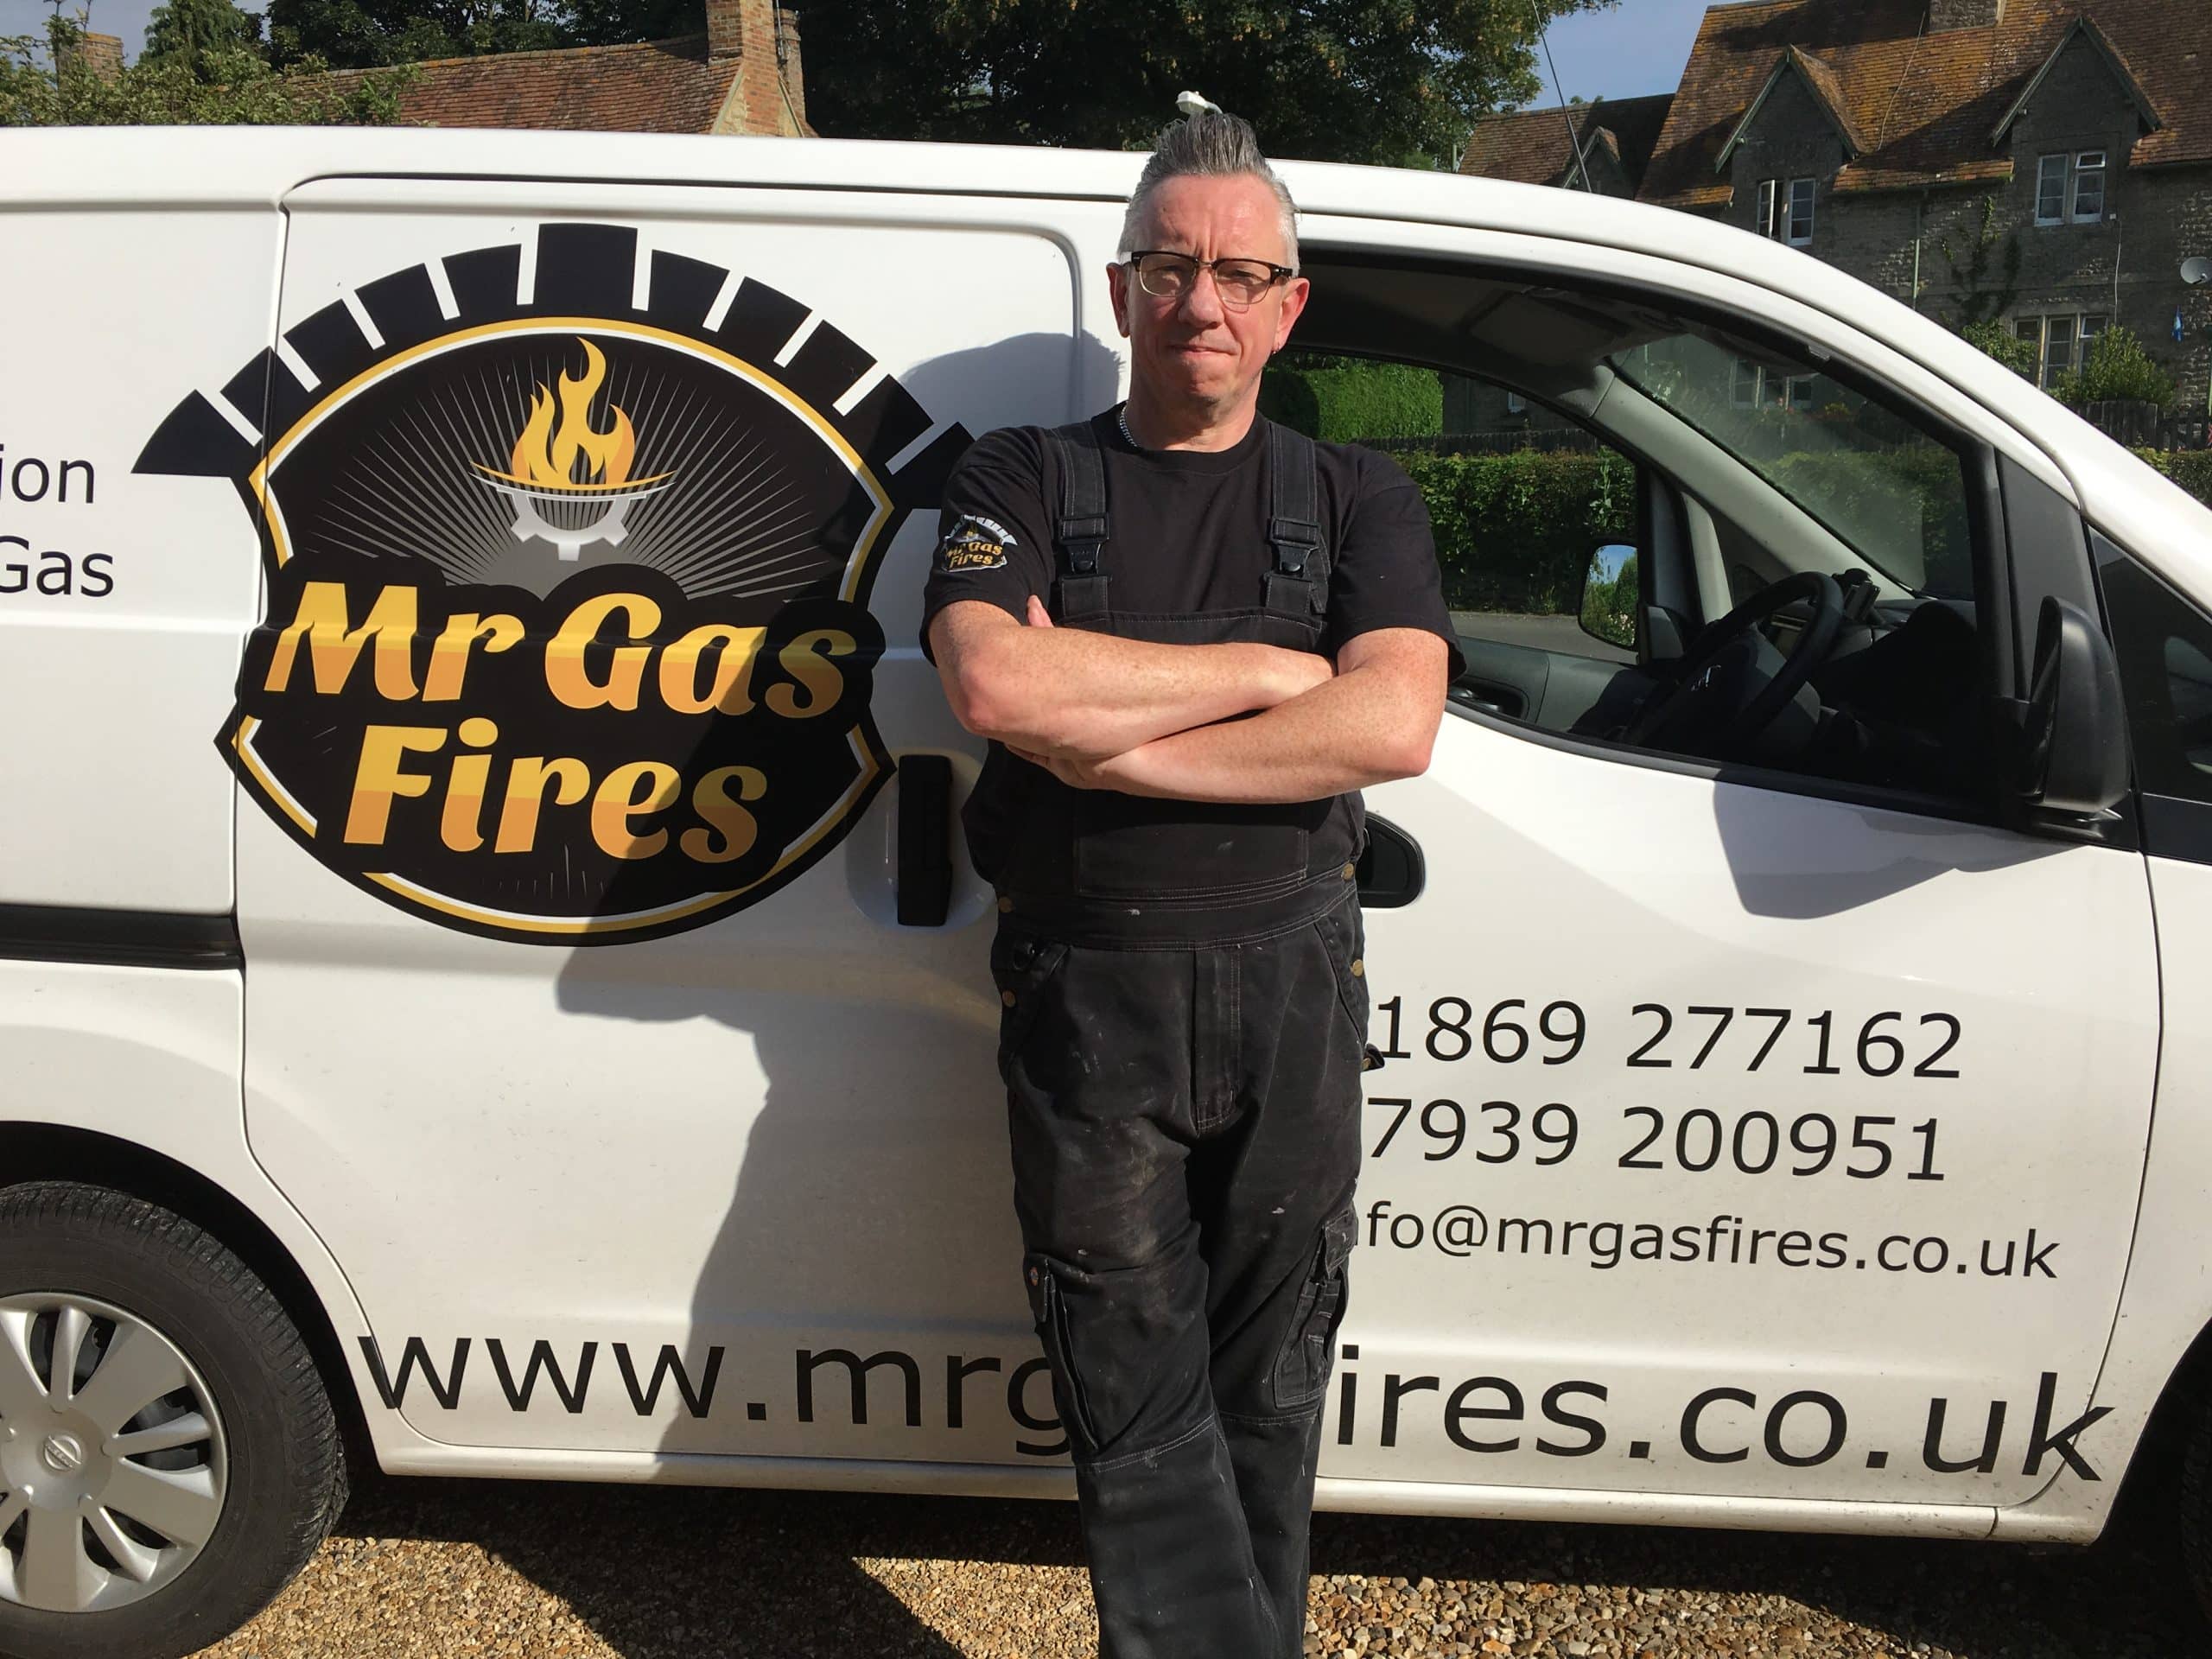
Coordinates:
[1185,1134]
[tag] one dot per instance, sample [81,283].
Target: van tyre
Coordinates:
[232,1463]
[2194,1504]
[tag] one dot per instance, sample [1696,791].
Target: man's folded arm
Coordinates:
[1070,691]
[1375,721]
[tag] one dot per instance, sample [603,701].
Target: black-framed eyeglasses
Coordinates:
[1241,282]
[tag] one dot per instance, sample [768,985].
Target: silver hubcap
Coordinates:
[112,1463]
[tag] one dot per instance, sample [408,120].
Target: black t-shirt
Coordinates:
[1188,533]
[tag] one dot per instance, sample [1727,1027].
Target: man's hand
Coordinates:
[1076,771]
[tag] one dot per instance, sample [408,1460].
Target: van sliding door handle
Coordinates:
[925,840]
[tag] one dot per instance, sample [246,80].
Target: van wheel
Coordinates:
[169,1456]
[2194,1503]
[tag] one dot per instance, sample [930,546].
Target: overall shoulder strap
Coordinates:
[1080,533]
[1298,586]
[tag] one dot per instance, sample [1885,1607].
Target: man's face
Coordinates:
[1196,350]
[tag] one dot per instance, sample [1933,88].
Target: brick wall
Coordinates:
[768,97]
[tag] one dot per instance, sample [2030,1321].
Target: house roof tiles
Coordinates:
[1925,105]
[1530,146]
[655,87]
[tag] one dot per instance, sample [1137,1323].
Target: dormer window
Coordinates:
[1785,211]
[2070,188]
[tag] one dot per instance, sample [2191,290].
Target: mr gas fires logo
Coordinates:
[568,637]
[570,483]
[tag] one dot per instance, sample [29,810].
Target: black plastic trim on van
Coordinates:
[2176,828]
[119,938]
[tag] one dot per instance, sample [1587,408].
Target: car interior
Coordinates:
[1802,555]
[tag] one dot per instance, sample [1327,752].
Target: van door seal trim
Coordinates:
[119,938]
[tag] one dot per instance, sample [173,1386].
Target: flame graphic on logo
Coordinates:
[574,455]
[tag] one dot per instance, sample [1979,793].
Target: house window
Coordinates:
[1801,213]
[1515,404]
[1755,387]
[1785,211]
[2051,190]
[2062,343]
[2070,188]
[2089,187]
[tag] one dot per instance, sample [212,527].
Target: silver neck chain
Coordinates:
[1123,416]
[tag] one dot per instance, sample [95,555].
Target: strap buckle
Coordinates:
[1295,540]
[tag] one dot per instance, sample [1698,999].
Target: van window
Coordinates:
[1887,490]
[1519,498]
[2165,647]
[1543,531]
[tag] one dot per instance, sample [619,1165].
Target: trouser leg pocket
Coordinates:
[1302,1370]
[1048,1311]
[1128,1349]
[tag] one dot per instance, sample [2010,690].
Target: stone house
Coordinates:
[743,75]
[2046,164]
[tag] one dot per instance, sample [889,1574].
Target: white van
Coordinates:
[490,974]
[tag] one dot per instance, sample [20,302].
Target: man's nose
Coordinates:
[1202,300]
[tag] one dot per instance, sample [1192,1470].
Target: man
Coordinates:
[1192,638]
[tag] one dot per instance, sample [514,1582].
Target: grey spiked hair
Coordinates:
[1208,144]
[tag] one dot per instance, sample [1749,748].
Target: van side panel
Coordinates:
[124,595]
[2167,1301]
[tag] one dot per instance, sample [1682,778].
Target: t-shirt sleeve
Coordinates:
[993,539]
[1385,574]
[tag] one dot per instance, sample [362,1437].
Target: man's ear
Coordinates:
[1117,285]
[1293,304]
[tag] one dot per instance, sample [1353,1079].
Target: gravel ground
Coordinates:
[441,1568]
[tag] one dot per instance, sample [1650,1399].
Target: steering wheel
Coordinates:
[1733,682]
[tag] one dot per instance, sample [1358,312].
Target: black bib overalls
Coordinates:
[1185,1011]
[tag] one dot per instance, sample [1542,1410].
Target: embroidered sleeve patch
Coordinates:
[974,544]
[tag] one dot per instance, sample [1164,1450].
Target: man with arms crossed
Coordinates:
[1192,637]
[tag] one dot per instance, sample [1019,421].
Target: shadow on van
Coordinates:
[858,1204]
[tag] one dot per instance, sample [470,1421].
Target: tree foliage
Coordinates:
[1998,340]
[200,67]
[2116,369]
[371,34]
[200,34]
[1397,81]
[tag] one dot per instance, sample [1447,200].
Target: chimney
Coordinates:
[725,29]
[1946,15]
[102,55]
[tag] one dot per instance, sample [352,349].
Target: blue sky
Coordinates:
[124,17]
[1640,46]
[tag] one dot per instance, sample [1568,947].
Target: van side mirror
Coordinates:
[1612,597]
[2074,756]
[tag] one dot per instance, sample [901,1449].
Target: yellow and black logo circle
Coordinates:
[568,637]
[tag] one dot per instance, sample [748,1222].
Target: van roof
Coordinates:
[257,166]
[233,169]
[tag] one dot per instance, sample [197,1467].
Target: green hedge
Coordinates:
[1870,497]
[1352,402]
[2190,468]
[1540,514]
[1515,532]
